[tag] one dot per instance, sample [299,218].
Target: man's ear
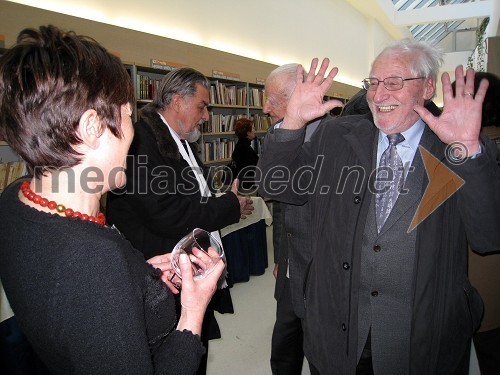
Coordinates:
[176,103]
[430,88]
[90,128]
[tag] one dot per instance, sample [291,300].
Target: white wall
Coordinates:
[274,31]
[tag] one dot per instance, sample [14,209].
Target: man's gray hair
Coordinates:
[287,76]
[180,81]
[426,59]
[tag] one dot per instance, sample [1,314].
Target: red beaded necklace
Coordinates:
[44,202]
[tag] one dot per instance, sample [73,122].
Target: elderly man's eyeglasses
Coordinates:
[390,83]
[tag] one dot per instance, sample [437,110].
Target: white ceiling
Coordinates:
[430,20]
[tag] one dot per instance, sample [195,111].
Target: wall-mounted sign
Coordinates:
[225,75]
[165,65]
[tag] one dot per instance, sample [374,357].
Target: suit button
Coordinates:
[343,327]
[377,248]
[289,235]
[357,199]
[346,266]
[374,293]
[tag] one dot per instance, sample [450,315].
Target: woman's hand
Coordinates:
[168,275]
[196,294]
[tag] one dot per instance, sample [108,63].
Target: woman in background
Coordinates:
[86,300]
[245,158]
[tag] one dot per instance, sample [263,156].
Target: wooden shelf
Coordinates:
[223,134]
[227,106]
[218,161]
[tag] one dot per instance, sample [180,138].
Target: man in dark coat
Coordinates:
[391,297]
[167,194]
[291,239]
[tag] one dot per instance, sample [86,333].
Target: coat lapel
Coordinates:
[361,138]
[415,182]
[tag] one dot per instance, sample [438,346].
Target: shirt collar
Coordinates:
[172,131]
[412,136]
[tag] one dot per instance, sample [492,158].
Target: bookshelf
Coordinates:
[11,166]
[145,81]
[229,100]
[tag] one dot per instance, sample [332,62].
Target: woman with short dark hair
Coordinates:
[87,301]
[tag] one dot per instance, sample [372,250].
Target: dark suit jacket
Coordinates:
[162,200]
[445,309]
[292,239]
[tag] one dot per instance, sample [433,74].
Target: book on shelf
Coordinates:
[4,171]
[11,171]
[212,94]
[256,97]
[242,96]
[146,87]
[217,149]
[220,123]
[227,94]
[261,122]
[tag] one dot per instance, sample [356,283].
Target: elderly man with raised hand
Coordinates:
[387,289]
[291,236]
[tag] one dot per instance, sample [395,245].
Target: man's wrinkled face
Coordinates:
[393,110]
[193,113]
[276,100]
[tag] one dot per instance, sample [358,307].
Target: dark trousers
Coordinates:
[365,366]
[287,355]
[487,345]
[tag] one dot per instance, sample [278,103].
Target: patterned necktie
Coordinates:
[391,173]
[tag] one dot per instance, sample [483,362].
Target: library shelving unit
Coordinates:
[229,100]
[11,166]
[145,81]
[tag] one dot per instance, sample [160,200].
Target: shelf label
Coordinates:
[225,75]
[260,81]
[165,65]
